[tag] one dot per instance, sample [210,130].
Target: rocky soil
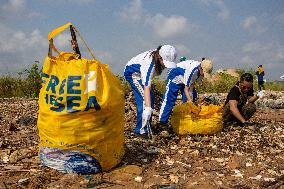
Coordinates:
[251,157]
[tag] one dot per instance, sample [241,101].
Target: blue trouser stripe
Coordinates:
[169,99]
[138,90]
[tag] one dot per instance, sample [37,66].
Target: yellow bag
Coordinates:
[81,105]
[190,119]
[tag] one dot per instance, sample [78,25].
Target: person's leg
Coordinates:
[262,85]
[148,127]
[259,86]
[138,90]
[194,95]
[248,110]
[228,117]
[184,98]
[169,99]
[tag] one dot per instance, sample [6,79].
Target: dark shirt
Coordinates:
[260,76]
[235,94]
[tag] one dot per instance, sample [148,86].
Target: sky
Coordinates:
[233,34]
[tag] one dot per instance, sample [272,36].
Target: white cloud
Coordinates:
[17,9]
[222,10]
[254,25]
[18,41]
[249,22]
[80,1]
[255,47]
[62,40]
[182,50]
[133,12]
[248,60]
[14,5]
[270,54]
[162,26]
[266,50]
[280,18]
[166,27]
[18,49]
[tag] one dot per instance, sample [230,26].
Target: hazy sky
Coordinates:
[233,33]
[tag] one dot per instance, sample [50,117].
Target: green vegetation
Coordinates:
[274,85]
[27,84]
[222,85]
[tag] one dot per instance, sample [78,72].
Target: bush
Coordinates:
[125,84]
[11,87]
[33,80]
[223,85]
[274,85]
[27,84]
[159,87]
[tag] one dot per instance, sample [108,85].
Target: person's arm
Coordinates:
[252,99]
[147,96]
[235,111]
[187,92]
[147,74]
[190,79]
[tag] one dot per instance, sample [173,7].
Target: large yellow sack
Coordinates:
[81,107]
[190,119]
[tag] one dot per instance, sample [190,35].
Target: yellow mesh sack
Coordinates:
[81,106]
[190,119]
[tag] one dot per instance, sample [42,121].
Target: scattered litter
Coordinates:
[138,179]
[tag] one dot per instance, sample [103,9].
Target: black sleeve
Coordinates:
[234,94]
[250,93]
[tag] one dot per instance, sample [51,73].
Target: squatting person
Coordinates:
[239,105]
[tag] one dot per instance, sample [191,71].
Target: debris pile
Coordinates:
[250,157]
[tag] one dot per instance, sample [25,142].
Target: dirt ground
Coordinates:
[251,157]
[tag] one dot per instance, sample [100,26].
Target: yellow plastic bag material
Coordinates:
[190,119]
[81,107]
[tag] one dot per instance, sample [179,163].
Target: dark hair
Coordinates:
[158,66]
[202,59]
[246,77]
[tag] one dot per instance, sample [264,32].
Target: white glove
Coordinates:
[147,112]
[146,116]
[260,94]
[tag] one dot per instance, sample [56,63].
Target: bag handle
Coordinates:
[74,42]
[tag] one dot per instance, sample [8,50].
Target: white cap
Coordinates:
[169,55]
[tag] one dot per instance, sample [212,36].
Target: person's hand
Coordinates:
[195,109]
[260,94]
[147,112]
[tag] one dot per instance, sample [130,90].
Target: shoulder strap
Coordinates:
[242,94]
